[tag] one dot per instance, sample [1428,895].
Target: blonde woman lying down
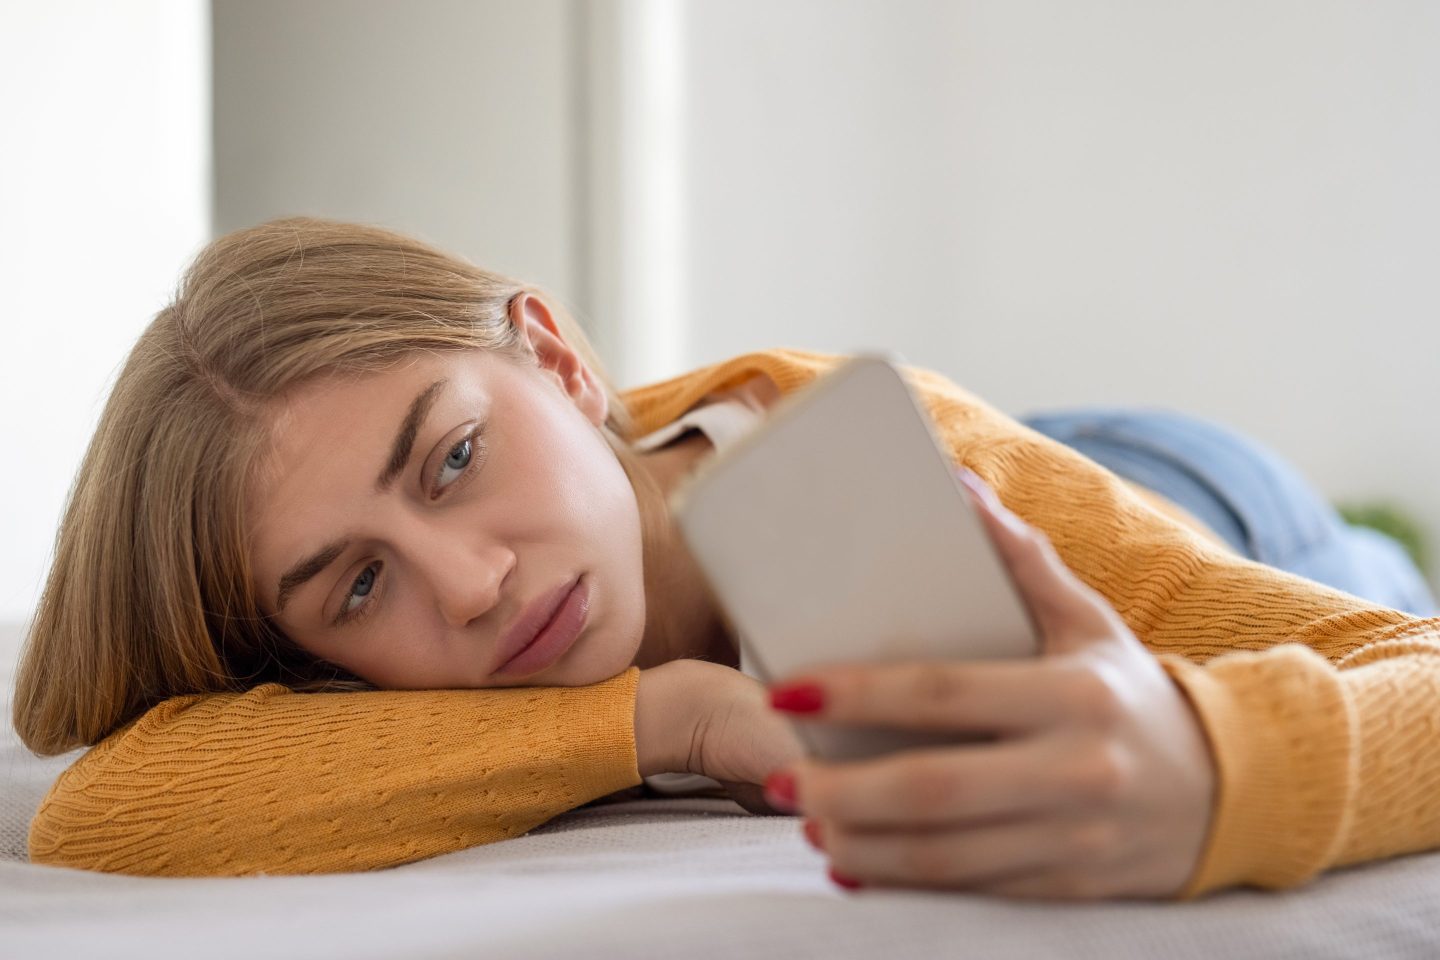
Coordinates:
[344,477]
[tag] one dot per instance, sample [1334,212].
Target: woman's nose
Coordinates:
[467,580]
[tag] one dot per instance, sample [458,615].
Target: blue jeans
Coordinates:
[1247,494]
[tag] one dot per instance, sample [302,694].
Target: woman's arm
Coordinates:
[271,781]
[1320,707]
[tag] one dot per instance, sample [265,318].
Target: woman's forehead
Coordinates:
[374,398]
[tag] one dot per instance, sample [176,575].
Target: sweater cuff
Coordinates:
[606,760]
[1282,733]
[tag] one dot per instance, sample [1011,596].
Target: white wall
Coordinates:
[1225,207]
[104,195]
[450,119]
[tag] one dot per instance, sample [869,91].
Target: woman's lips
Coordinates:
[555,637]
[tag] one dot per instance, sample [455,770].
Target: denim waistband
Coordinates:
[1252,498]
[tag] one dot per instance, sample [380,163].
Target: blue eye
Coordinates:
[459,455]
[359,590]
[456,462]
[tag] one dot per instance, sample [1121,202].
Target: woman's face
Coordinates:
[507,492]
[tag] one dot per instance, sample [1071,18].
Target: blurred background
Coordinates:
[1226,208]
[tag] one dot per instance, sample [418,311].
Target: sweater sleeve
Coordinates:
[272,781]
[1320,708]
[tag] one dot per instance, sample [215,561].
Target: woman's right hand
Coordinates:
[697,716]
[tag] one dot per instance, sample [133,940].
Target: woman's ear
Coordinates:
[531,316]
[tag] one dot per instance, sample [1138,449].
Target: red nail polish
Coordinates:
[812,833]
[849,883]
[780,791]
[797,697]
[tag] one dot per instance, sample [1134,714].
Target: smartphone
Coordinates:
[837,532]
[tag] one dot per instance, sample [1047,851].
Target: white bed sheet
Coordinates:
[672,877]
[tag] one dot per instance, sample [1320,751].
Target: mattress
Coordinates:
[657,877]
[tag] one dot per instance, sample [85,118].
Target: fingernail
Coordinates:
[977,486]
[812,833]
[988,498]
[849,883]
[797,697]
[780,791]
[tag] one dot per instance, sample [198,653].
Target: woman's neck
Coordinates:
[683,620]
[687,622]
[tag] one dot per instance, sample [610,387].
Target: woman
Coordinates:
[344,476]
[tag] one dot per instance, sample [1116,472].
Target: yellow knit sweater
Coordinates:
[1320,708]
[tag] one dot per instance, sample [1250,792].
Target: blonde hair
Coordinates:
[149,595]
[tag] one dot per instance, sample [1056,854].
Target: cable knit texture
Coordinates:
[1320,708]
[271,781]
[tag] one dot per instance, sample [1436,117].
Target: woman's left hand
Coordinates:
[1099,784]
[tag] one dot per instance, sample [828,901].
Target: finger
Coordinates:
[947,786]
[998,696]
[751,797]
[1010,854]
[1056,596]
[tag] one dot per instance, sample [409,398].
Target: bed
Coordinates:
[660,877]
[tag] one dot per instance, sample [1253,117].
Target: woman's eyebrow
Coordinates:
[400,449]
[405,438]
[305,570]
